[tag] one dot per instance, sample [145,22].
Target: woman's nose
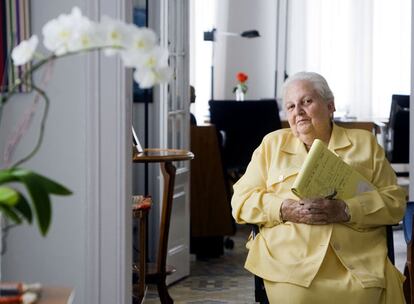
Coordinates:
[299,110]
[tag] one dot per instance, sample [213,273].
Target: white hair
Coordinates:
[318,82]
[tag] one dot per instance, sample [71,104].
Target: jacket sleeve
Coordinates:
[252,202]
[386,204]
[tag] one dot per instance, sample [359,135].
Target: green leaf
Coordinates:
[39,188]
[48,184]
[52,186]
[9,213]
[40,200]
[7,176]
[24,208]
[8,196]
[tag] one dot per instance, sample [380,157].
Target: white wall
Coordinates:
[87,148]
[256,56]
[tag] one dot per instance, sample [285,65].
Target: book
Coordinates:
[324,173]
[16,288]
[19,292]
[135,141]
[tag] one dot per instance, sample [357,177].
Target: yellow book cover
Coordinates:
[324,173]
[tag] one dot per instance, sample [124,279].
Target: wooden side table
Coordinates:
[56,295]
[156,274]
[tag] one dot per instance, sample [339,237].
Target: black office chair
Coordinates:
[242,125]
[398,133]
[409,264]
[259,287]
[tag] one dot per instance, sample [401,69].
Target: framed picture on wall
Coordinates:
[140,17]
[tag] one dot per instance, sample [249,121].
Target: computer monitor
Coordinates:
[398,137]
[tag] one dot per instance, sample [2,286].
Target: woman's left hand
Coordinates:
[333,210]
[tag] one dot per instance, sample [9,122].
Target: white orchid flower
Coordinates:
[143,40]
[157,57]
[23,52]
[74,33]
[66,32]
[115,33]
[87,36]
[147,78]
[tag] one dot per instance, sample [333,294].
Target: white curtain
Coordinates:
[202,18]
[362,47]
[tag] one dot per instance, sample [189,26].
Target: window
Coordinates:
[361,47]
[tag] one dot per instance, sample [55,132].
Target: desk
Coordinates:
[403,181]
[56,295]
[210,209]
[157,273]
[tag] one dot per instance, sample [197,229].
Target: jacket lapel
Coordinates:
[295,148]
[339,139]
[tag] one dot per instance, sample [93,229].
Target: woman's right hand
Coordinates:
[317,211]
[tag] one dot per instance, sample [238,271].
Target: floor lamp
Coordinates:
[211,36]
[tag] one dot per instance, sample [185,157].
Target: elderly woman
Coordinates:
[319,250]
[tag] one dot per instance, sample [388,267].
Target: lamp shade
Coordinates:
[211,35]
[250,34]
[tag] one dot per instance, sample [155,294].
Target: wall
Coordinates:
[256,57]
[87,147]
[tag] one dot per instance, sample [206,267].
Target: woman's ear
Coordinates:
[331,106]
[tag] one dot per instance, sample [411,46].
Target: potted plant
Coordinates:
[241,88]
[68,35]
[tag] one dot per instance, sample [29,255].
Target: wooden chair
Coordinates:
[141,206]
[260,291]
[409,266]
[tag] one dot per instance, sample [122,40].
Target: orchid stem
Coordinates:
[40,63]
[42,128]
[24,79]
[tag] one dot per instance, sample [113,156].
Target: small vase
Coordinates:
[239,94]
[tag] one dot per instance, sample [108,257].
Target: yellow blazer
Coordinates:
[293,253]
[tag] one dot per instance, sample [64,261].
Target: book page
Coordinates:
[323,173]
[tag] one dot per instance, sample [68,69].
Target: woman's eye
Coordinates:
[290,107]
[307,101]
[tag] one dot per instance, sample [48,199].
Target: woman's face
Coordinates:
[308,114]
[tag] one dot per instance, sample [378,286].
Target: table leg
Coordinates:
[168,172]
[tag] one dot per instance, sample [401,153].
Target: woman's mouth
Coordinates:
[300,121]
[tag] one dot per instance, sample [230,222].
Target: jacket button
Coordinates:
[351,267]
[281,178]
[336,246]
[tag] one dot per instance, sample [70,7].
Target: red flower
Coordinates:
[242,86]
[242,77]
